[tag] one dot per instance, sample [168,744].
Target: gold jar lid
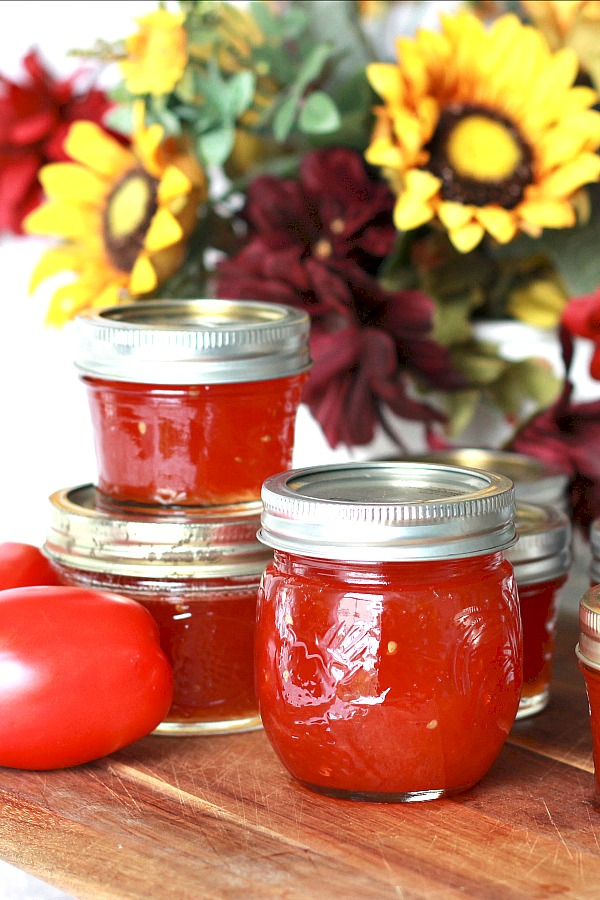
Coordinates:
[588,648]
[208,542]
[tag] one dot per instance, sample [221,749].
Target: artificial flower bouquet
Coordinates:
[402,195]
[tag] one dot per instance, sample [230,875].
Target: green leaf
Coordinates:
[312,67]
[319,114]
[284,118]
[215,146]
[460,407]
[120,118]
[240,90]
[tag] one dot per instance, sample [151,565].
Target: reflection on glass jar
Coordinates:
[198,576]
[388,650]
[192,402]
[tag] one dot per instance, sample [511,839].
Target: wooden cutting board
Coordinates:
[219,817]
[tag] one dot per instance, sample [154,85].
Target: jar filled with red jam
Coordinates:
[588,655]
[541,559]
[192,402]
[388,648]
[199,578]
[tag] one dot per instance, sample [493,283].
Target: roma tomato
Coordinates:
[82,674]
[22,565]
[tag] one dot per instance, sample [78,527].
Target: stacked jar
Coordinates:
[193,406]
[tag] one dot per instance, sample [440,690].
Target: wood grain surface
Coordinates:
[219,817]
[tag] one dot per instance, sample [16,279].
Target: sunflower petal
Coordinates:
[67,301]
[386,81]
[173,183]
[53,261]
[163,231]
[58,219]
[143,277]
[466,238]
[71,181]
[568,178]
[454,215]
[546,214]
[497,221]
[90,145]
[410,213]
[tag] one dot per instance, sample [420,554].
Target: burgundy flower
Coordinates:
[317,243]
[34,119]
[567,436]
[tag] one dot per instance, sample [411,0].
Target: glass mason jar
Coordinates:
[541,559]
[535,482]
[197,575]
[192,402]
[594,535]
[588,655]
[388,647]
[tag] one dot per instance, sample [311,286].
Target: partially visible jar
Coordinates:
[388,648]
[541,559]
[535,482]
[594,535]
[193,402]
[198,576]
[588,655]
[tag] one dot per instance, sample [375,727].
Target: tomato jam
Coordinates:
[588,654]
[388,648]
[192,402]
[541,559]
[197,575]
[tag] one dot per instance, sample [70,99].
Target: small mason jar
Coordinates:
[198,576]
[541,560]
[588,655]
[388,647]
[193,402]
[594,535]
[535,482]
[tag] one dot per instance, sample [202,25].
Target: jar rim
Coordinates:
[204,341]
[203,542]
[543,549]
[388,511]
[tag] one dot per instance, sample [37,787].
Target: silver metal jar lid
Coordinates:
[535,482]
[543,550]
[588,648]
[192,342]
[213,542]
[385,511]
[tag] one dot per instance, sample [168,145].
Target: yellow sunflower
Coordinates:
[556,18]
[482,130]
[124,216]
[156,54]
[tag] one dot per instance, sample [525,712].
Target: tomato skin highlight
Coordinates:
[82,674]
[22,565]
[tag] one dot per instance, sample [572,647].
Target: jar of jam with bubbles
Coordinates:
[388,645]
[541,559]
[588,655]
[193,402]
[197,575]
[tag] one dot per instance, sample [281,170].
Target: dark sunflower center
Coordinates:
[127,216]
[480,157]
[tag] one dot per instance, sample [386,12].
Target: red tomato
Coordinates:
[24,564]
[82,674]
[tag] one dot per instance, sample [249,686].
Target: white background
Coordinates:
[45,432]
